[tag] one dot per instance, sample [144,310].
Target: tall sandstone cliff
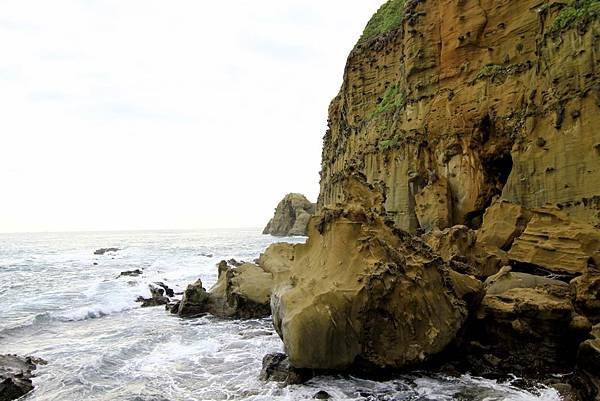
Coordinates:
[461,101]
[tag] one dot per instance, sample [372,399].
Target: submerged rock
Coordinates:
[129,273]
[15,375]
[291,216]
[360,291]
[102,251]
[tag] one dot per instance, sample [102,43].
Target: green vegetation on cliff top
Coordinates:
[388,17]
[576,12]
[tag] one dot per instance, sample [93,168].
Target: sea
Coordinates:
[61,302]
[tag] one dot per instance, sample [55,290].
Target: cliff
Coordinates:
[459,214]
[451,103]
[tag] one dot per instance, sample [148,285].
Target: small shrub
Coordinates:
[580,11]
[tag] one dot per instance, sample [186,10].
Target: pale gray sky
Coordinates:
[155,114]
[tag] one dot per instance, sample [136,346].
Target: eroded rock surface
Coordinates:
[291,216]
[15,376]
[363,292]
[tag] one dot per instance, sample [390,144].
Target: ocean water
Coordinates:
[100,345]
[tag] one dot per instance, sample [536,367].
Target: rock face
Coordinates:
[361,292]
[463,143]
[15,376]
[291,216]
[452,103]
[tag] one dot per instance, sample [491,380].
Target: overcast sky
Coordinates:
[148,114]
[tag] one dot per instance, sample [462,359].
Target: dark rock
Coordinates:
[135,272]
[168,291]
[157,298]
[195,300]
[322,395]
[102,251]
[173,307]
[235,263]
[276,367]
[15,375]
[206,255]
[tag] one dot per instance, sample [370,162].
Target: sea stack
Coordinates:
[291,216]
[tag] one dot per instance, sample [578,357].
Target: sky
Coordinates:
[155,114]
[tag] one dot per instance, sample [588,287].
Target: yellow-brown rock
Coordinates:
[363,291]
[502,223]
[499,98]
[557,243]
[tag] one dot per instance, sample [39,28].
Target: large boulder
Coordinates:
[291,216]
[15,376]
[588,366]
[363,292]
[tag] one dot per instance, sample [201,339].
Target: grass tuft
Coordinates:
[388,17]
[580,11]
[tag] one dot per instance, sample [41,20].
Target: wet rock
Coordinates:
[102,251]
[194,301]
[135,272]
[362,290]
[168,291]
[322,395]
[276,367]
[291,216]
[157,298]
[15,375]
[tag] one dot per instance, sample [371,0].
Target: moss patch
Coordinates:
[388,17]
[578,12]
[389,143]
[392,99]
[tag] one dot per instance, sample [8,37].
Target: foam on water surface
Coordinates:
[83,319]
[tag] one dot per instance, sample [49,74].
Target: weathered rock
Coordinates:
[242,292]
[502,223]
[557,243]
[194,301]
[102,251]
[15,376]
[526,324]
[361,291]
[276,367]
[433,206]
[277,259]
[476,93]
[587,294]
[291,216]
[459,244]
